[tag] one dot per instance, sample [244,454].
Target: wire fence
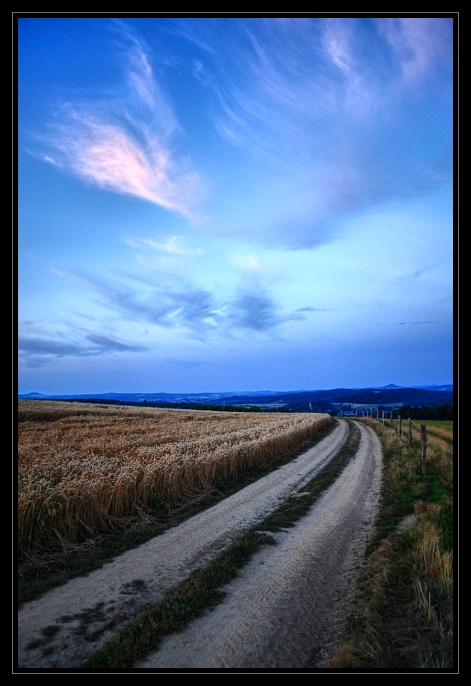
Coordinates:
[424,436]
[429,438]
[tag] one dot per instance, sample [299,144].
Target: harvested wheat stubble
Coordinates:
[80,465]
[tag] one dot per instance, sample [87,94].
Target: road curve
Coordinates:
[283,610]
[112,595]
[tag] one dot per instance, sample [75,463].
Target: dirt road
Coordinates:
[281,611]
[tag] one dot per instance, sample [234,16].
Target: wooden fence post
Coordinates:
[410,432]
[423,449]
[399,429]
[391,419]
[383,416]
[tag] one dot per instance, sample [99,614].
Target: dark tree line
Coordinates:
[440,413]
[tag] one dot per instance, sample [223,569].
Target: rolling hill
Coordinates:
[300,401]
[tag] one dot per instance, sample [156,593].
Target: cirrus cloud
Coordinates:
[121,142]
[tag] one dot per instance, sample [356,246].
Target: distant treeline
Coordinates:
[440,413]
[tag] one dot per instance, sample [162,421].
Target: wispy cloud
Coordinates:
[327,96]
[313,309]
[248,263]
[122,143]
[257,312]
[141,80]
[188,307]
[49,346]
[110,344]
[174,245]
[102,152]
[196,310]
[418,43]
[37,350]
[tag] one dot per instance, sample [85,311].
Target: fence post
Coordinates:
[383,416]
[423,449]
[410,432]
[399,429]
[391,419]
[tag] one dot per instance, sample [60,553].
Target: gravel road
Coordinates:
[283,609]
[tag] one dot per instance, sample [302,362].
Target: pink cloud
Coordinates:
[109,156]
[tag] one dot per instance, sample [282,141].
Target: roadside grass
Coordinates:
[402,615]
[41,571]
[446,424]
[203,589]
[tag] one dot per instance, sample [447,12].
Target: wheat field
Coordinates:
[81,465]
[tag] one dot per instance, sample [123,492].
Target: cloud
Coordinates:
[49,346]
[276,82]
[109,344]
[174,245]
[121,143]
[418,44]
[319,98]
[248,263]
[329,97]
[184,306]
[256,312]
[141,80]
[103,152]
[193,308]
[313,309]
[39,349]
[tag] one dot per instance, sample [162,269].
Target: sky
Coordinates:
[234,203]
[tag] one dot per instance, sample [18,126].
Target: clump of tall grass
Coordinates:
[81,466]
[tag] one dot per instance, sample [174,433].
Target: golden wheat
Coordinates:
[81,465]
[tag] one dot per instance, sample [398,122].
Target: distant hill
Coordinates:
[300,401]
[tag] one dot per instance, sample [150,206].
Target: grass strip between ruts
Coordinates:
[187,600]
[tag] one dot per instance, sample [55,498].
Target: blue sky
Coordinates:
[234,203]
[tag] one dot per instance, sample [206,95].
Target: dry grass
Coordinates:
[82,465]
